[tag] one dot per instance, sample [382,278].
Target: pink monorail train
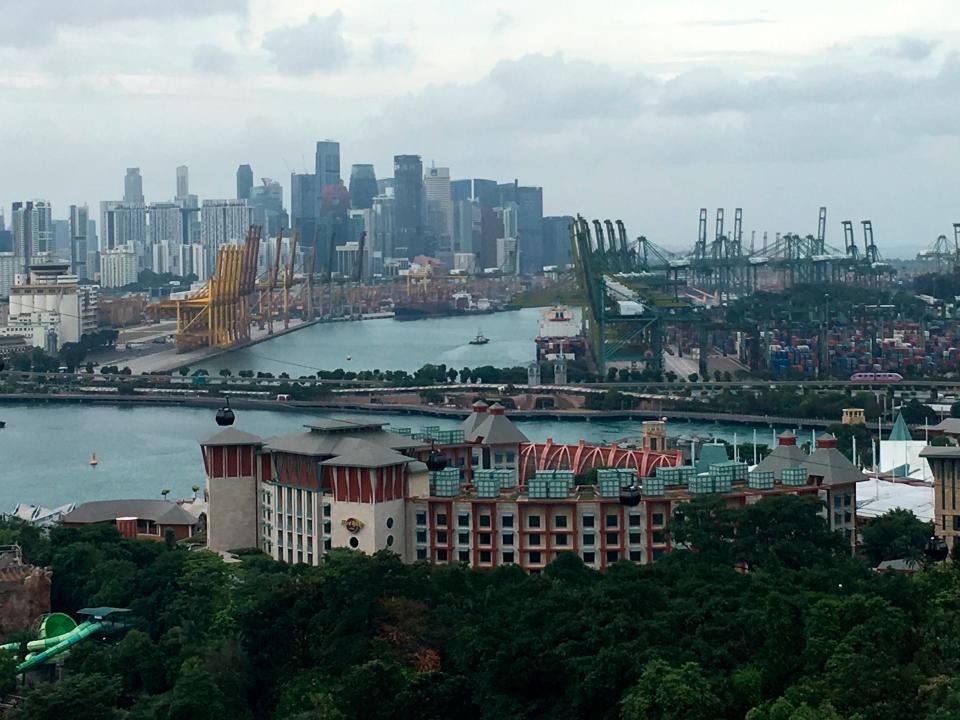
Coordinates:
[876,377]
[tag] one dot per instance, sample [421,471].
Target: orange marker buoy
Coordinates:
[93,460]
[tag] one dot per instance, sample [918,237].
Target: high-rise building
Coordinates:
[221,222]
[79,247]
[133,187]
[118,267]
[244,182]
[461,190]
[383,222]
[466,226]
[266,203]
[61,238]
[32,226]
[529,223]
[8,271]
[166,224]
[384,185]
[491,229]
[486,192]
[556,240]
[122,223]
[436,184]
[363,187]
[327,165]
[183,182]
[509,214]
[408,194]
[304,206]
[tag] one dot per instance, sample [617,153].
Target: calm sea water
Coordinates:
[45,449]
[387,344]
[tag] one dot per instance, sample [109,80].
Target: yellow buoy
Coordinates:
[93,460]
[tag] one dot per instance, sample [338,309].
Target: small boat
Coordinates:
[3,424]
[480,339]
[93,460]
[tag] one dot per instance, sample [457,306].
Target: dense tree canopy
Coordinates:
[766,615]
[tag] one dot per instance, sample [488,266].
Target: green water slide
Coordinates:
[61,644]
[59,632]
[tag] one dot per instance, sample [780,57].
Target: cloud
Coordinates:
[502,22]
[728,22]
[386,53]
[28,24]
[317,45]
[212,60]
[913,49]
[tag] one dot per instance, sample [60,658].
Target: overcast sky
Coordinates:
[640,109]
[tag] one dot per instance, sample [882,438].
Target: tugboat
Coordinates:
[480,339]
[93,460]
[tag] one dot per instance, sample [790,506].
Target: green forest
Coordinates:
[769,618]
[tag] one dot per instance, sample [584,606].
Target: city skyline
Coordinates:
[680,107]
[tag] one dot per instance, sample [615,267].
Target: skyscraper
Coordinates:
[221,222]
[363,187]
[183,182]
[244,182]
[461,190]
[529,223]
[304,206]
[556,240]
[408,196]
[133,187]
[122,223]
[436,183]
[79,224]
[266,202]
[327,164]
[486,192]
[32,226]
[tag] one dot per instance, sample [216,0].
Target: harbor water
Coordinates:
[45,449]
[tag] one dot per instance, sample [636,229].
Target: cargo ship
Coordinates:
[560,335]
[456,305]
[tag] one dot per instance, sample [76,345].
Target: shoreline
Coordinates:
[426,410]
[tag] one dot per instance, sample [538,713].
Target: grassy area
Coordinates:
[566,293]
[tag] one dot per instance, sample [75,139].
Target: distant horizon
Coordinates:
[645,112]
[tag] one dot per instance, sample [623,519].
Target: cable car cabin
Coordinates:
[876,377]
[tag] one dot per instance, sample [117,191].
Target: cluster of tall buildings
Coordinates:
[365,226]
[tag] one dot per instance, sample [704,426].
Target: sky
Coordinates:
[644,110]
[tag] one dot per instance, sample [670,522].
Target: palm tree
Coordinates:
[196,489]
[165,492]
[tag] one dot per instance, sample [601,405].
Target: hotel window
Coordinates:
[535,558]
[421,553]
[484,538]
[612,556]
[508,539]
[637,538]
[589,539]
[637,520]
[498,458]
[508,557]
[484,521]
[326,544]
[560,521]
[441,519]
[463,538]
[657,554]
[846,500]
[587,520]
[847,517]
[422,536]
[613,521]
[533,521]
[441,555]
[421,517]
[589,557]
[656,519]
[442,537]
[485,556]
[560,540]
[837,500]
[509,457]
[535,539]
[613,539]
[659,537]
[837,518]
[326,526]
[326,511]
[636,555]
[956,523]
[506,521]
[464,556]
[463,520]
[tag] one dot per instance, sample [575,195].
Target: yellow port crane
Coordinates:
[218,314]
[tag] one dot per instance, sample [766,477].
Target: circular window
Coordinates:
[390,522]
[354,542]
[389,540]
